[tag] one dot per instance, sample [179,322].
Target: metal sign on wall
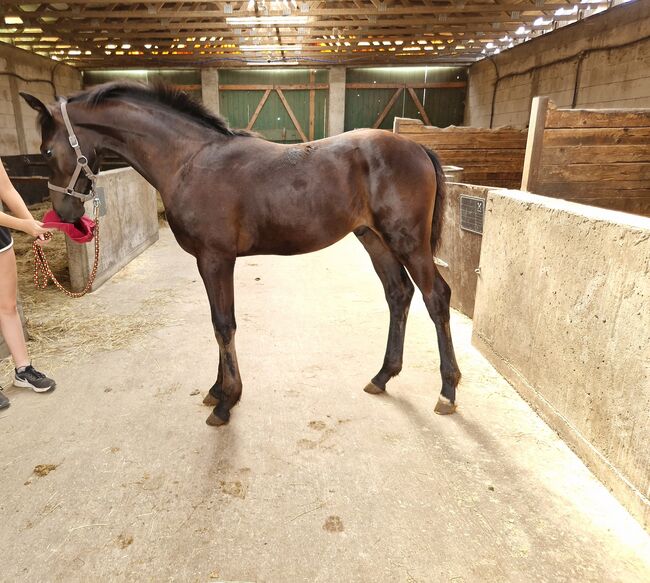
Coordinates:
[472,212]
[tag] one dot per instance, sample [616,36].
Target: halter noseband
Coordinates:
[82,164]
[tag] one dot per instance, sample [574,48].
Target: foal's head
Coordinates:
[61,158]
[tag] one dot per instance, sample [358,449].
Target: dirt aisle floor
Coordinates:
[313,480]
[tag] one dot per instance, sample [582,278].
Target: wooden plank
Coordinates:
[474,142]
[388,107]
[597,172]
[485,156]
[264,87]
[596,154]
[439,85]
[596,136]
[258,109]
[534,143]
[294,119]
[411,127]
[415,99]
[312,105]
[598,118]
[592,188]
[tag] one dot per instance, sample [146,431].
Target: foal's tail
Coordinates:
[441,193]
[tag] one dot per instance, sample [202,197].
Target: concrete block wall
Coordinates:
[18,132]
[129,226]
[562,313]
[619,77]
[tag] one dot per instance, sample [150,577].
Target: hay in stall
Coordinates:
[62,330]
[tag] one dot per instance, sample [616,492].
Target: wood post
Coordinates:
[534,143]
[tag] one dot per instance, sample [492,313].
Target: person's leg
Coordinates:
[10,325]
[12,330]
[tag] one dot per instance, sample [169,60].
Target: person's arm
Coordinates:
[22,219]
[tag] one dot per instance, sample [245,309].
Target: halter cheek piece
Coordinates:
[82,164]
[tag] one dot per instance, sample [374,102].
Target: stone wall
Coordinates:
[619,77]
[562,312]
[24,71]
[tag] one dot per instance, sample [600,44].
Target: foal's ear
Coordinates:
[36,104]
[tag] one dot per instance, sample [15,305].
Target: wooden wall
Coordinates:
[599,157]
[488,157]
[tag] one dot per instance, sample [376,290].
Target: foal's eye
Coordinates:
[48,153]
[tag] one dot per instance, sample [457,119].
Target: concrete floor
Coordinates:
[313,480]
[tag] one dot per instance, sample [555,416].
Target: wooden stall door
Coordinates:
[283,106]
[375,96]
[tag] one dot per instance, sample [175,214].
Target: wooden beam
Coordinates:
[294,119]
[388,107]
[420,107]
[523,19]
[161,12]
[263,87]
[259,107]
[312,104]
[441,85]
[534,143]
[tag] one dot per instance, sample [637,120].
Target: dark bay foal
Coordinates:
[228,193]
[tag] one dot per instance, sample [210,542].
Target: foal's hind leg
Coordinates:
[436,294]
[399,291]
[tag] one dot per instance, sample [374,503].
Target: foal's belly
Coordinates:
[295,238]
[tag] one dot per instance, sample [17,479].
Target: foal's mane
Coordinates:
[159,94]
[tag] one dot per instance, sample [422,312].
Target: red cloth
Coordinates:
[81,231]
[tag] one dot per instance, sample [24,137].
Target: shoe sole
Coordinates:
[27,385]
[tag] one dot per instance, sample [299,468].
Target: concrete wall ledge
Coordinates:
[562,313]
[129,226]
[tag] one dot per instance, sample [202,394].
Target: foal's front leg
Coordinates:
[217,275]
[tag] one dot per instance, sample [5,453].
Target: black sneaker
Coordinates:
[4,402]
[30,378]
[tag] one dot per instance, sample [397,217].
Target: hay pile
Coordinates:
[62,330]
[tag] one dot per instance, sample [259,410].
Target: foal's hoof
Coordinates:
[210,400]
[215,421]
[444,406]
[373,389]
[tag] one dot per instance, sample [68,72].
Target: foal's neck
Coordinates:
[156,141]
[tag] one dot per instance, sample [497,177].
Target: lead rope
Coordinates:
[43,274]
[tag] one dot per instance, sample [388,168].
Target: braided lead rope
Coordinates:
[43,274]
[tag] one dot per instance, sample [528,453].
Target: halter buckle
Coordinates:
[73,141]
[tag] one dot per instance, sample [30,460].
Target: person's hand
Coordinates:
[41,240]
[33,228]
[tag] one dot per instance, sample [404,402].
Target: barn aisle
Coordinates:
[313,480]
